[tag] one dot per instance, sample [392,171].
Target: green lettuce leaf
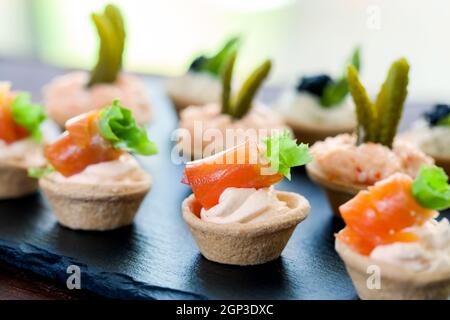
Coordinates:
[444,121]
[40,172]
[431,188]
[336,91]
[214,64]
[118,126]
[283,152]
[28,115]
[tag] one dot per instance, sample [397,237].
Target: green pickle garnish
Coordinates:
[378,121]
[111,31]
[237,107]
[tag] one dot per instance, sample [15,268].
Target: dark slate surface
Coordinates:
[156,257]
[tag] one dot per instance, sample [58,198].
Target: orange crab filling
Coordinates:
[80,146]
[238,167]
[379,215]
[10,131]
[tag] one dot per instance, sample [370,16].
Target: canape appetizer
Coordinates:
[215,127]
[431,134]
[78,92]
[20,142]
[92,182]
[319,107]
[346,164]
[201,83]
[391,230]
[235,214]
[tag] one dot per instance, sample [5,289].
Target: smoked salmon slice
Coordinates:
[239,167]
[80,146]
[10,131]
[379,215]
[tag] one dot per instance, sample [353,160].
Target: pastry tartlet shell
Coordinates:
[94,207]
[313,133]
[337,192]
[247,243]
[15,182]
[396,283]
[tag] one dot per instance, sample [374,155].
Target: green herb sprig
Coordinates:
[444,121]
[118,126]
[214,64]
[336,91]
[431,188]
[237,107]
[111,31]
[378,121]
[28,115]
[283,152]
[38,173]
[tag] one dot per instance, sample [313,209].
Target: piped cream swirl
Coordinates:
[123,170]
[245,205]
[431,252]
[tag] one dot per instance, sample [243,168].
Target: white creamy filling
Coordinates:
[304,108]
[245,205]
[195,86]
[123,170]
[430,253]
[24,152]
[432,140]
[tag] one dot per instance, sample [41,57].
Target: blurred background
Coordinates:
[302,36]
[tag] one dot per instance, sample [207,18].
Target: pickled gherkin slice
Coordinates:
[111,31]
[390,100]
[378,122]
[214,64]
[237,107]
[226,83]
[365,110]
[248,90]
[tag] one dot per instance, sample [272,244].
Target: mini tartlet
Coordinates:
[208,129]
[92,182]
[20,142]
[201,83]
[319,106]
[78,92]
[345,164]
[234,214]
[392,246]
[431,134]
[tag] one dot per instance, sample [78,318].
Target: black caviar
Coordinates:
[439,112]
[314,84]
[197,64]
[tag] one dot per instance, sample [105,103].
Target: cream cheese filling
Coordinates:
[304,108]
[430,253]
[124,170]
[25,152]
[245,205]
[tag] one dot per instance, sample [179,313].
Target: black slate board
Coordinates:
[156,257]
